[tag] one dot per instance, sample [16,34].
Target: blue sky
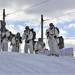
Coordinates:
[53,10]
[68,27]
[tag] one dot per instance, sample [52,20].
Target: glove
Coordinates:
[47,32]
[55,37]
[36,51]
[27,36]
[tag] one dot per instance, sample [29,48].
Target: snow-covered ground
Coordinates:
[12,63]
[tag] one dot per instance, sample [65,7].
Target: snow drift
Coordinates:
[12,63]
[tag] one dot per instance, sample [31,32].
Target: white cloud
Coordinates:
[63,32]
[32,22]
[12,28]
[21,28]
[70,26]
[70,42]
[49,9]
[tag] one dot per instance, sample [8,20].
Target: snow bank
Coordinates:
[12,63]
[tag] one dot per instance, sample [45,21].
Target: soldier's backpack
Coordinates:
[57,30]
[61,42]
[34,34]
[19,37]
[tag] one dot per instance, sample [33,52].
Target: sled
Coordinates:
[65,52]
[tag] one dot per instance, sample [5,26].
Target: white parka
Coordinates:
[52,42]
[30,44]
[5,41]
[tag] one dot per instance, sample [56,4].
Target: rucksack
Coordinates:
[57,30]
[61,42]
[34,34]
[19,37]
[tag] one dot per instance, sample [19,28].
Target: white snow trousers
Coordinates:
[5,46]
[15,48]
[53,45]
[28,46]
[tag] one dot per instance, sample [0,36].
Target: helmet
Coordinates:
[40,39]
[27,27]
[51,24]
